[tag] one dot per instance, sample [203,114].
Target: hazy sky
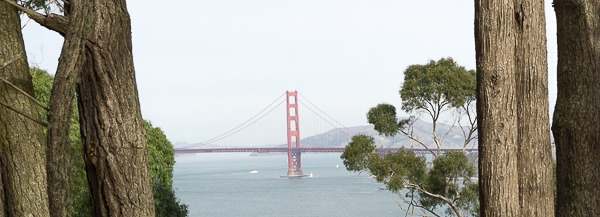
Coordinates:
[204,67]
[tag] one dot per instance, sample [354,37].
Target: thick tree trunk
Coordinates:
[22,141]
[576,125]
[2,198]
[112,130]
[496,108]
[512,105]
[62,96]
[534,157]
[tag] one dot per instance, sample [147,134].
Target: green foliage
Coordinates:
[436,83]
[469,198]
[403,168]
[383,117]
[45,5]
[165,202]
[443,179]
[357,152]
[161,158]
[397,169]
[42,85]
[161,155]
[384,120]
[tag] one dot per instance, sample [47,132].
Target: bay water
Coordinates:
[220,184]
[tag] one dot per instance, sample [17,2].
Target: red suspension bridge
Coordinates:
[263,134]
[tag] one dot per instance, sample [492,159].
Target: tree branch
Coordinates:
[24,114]
[407,211]
[15,87]
[11,60]
[53,22]
[448,201]
[416,140]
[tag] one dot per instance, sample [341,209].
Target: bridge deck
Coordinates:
[322,150]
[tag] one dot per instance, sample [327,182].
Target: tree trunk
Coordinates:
[496,108]
[22,141]
[534,157]
[512,107]
[576,125]
[62,96]
[112,130]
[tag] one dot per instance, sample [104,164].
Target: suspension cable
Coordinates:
[218,137]
[325,119]
[324,113]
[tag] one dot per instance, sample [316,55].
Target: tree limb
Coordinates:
[448,201]
[407,211]
[53,22]
[24,114]
[17,88]
[416,140]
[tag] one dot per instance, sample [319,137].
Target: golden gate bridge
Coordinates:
[264,130]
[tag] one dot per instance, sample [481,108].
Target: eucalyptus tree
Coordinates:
[515,163]
[433,88]
[577,113]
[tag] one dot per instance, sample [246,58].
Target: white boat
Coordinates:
[337,166]
[253,171]
[310,175]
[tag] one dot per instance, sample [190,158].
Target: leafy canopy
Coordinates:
[435,85]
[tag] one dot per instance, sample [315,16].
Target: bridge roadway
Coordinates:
[302,150]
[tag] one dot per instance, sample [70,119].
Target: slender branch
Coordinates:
[448,132]
[17,88]
[53,22]
[24,114]
[414,204]
[24,93]
[428,210]
[11,60]
[448,201]
[420,143]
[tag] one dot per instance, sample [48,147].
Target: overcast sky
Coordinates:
[204,67]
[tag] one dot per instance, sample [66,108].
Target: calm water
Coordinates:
[221,185]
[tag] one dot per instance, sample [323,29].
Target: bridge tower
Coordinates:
[293,134]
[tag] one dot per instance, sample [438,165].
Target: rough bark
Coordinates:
[22,141]
[512,105]
[62,96]
[496,108]
[2,198]
[576,125]
[112,129]
[534,157]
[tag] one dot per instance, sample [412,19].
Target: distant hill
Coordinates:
[421,130]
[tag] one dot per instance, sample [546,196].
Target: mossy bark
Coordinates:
[62,97]
[22,141]
[576,125]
